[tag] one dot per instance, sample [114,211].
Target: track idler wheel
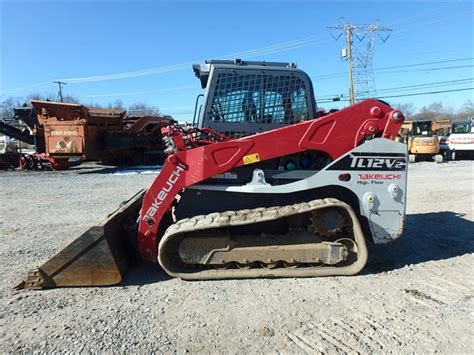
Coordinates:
[351,249]
[330,221]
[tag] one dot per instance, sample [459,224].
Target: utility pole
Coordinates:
[60,92]
[349,63]
[359,61]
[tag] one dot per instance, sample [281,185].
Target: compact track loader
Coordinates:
[264,186]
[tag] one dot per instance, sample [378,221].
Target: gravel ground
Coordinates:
[416,295]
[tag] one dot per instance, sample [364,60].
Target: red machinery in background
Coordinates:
[106,135]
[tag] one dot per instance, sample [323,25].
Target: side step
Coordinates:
[99,257]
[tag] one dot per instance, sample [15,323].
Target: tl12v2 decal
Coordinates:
[371,161]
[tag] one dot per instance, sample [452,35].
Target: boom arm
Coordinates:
[334,134]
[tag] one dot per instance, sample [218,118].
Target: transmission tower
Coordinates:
[359,55]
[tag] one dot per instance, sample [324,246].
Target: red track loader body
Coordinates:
[333,134]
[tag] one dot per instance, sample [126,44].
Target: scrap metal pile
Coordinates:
[61,131]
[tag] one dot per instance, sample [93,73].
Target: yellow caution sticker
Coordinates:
[251,158]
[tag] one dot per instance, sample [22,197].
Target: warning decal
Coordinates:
[251,158]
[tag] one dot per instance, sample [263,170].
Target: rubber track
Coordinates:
[257,215]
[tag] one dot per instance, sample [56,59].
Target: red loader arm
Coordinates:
[334,134]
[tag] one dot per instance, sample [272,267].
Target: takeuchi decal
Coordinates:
[379,176]
[169,184]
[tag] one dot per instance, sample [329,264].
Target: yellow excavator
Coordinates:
[422,141]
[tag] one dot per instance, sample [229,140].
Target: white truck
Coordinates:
[461,139]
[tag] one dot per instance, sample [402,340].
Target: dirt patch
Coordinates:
[416,295]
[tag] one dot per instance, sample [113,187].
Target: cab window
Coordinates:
[259,98]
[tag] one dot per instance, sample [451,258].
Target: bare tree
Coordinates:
[6,108]
[94,105]
[70,99]
[42,97]
[468,108]
[434,112]
[142,108]
[52,97]
[408,109]
[118,105]
[433,107]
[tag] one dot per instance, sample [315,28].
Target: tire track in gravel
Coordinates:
[411,332]
[307,346]
[441,294]
[423,298]
[342,335]
[440,290]
[368,342]
[456,285]
[369,323]
[336,339]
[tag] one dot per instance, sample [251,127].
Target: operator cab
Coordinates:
[247,97]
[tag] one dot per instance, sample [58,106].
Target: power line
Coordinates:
[407,95]
[40,85]
[444,51]
[426,63]
[170,110]
[275,48]
[194,86]
[284,46]
[426,93]
[427,69]
[428,85]
[410,18]
[278,48]
[339,75]
[457,15]
[251,53]
[403,66]
[141,92]
[415,86]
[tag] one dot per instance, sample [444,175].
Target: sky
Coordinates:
[142,51]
